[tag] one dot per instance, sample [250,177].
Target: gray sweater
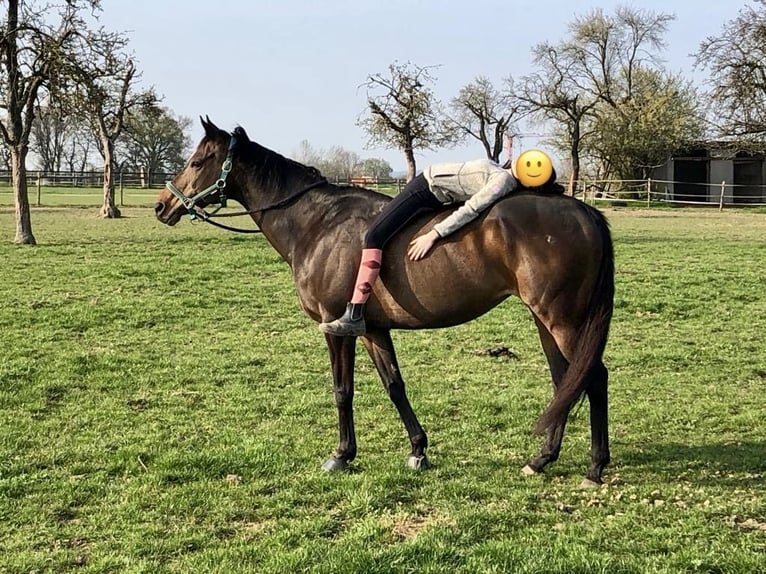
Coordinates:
[479,183]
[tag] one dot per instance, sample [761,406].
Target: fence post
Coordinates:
[39,191]
[649,192]
[122,202]
[720,200]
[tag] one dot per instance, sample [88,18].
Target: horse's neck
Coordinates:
[287,227]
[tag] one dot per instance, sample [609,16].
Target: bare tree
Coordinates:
[339,163]
[482,112]
[79,145]
[307,154]
[34,37]
[49,136]
[736,61]
[404,113]
[552,94]
[5,158]
[605,51]
[599,71]
[60,138]
[344,161]
[104,90]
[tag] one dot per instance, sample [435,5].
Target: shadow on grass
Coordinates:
[716,464]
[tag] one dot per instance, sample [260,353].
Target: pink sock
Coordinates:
[369,269]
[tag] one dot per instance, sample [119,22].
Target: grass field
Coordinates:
[53,196]
[67,196]
[165,407]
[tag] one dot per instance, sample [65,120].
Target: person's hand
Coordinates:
[422,245]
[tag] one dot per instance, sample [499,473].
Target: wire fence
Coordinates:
[654,192]
[139,189]
[84,189]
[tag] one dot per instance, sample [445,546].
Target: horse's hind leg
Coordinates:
[596,390]
[381,349]
[554,435]
[342,356]
[599,423]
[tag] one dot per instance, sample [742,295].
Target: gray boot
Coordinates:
[351,324]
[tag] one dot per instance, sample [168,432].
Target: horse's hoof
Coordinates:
[587,483]
[333,464]
[528,471]
[418,462]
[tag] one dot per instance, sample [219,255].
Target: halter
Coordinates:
[190,203]
[195,211]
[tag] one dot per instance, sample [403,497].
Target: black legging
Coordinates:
[414,199]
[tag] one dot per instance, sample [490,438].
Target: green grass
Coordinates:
[165,407]
[67,196]
[54,196]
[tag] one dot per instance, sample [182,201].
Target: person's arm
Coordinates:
[499,185]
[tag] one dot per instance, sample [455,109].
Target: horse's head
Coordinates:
[202,181]
[230,165]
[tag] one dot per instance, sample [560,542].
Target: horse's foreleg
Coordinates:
[381,349]
[599,423]
[558,365]
[342,355]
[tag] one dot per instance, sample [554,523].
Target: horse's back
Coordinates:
[537,247]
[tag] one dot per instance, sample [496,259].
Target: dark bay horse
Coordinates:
[552,251]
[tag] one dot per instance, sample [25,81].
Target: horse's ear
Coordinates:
[241,134]
[211,130]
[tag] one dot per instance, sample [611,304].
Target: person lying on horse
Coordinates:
[478,184]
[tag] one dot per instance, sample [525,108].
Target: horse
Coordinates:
[553,252]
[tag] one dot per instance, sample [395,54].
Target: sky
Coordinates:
[292,70]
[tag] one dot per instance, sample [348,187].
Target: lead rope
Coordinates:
[208,217]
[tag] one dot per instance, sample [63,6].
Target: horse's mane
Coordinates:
[550,187]
[269,167]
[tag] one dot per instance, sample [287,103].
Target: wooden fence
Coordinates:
[133,188]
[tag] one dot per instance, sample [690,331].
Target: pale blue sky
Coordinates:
[290,70]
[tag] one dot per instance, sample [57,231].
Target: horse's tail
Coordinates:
[592,336]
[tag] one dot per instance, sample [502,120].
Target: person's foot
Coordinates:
[345,326]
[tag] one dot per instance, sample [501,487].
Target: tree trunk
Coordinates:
[411,167]
[575,178]
[21,199]
[109,208]
[575,155]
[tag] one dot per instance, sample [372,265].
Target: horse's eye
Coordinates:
[198,162]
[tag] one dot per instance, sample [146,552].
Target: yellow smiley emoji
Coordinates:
[533,168]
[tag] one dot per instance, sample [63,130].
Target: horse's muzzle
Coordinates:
[164,214]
